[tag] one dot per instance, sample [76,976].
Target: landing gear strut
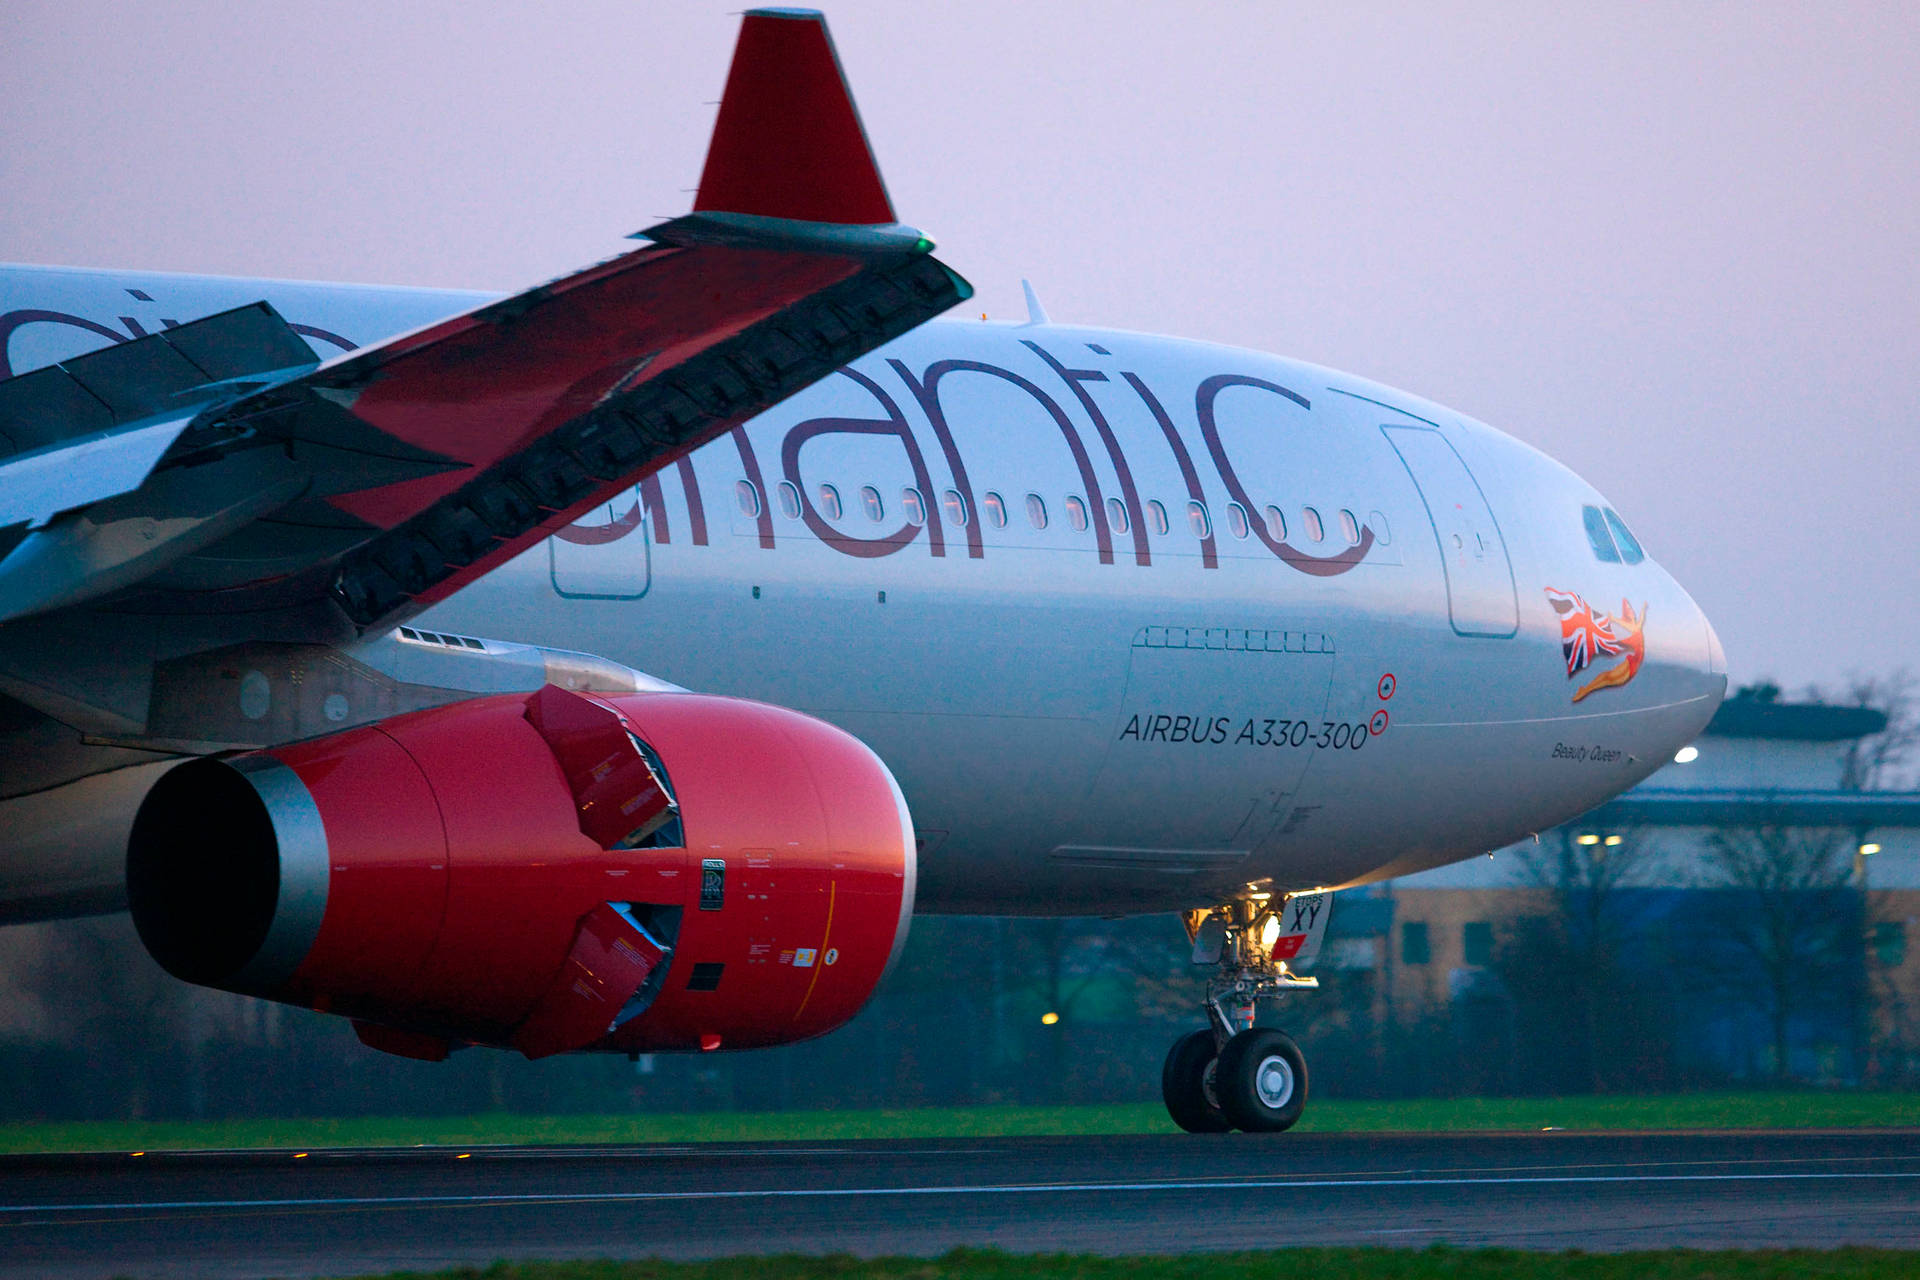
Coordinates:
[1232,1074]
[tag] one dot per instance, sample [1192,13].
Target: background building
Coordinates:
[1743,913]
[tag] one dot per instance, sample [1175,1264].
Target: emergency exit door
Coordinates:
[1480,595]
[607,554]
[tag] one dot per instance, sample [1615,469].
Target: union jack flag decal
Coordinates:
[1587,635]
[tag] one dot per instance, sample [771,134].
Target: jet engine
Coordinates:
[632,872]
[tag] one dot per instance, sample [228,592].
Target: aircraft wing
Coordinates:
[215,468]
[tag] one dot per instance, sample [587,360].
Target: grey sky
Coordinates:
[1672,245]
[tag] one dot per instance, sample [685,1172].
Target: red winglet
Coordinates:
[788,142]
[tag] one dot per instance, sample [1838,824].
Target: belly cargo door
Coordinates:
[1213,738]
[1480,596]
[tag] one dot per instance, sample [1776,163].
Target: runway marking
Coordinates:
[994,1189]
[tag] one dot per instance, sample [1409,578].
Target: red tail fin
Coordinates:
[788,143]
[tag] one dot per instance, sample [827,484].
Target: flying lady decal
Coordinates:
[1588,636]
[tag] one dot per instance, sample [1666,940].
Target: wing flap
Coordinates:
[163,372]
[37,485]
[45,407]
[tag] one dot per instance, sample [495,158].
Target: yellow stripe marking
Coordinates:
[820,956]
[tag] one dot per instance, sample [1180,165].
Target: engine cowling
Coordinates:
[632,873]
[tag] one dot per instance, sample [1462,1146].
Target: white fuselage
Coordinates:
[1108,713]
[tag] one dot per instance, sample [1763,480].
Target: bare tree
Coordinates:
[1793,918]
[1894,1036]
[1573,960]
[1584,879]
[1874,761]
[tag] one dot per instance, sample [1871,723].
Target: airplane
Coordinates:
[618,666]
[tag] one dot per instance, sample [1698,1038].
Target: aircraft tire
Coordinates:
[1262,1081]
[1186,1087]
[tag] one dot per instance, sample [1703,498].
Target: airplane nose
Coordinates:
[1703,671]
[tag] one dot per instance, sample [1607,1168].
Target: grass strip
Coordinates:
[1437,1262]
[1778,1110]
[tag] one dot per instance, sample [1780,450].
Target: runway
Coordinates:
[349,1212]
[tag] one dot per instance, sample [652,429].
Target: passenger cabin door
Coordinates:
[1480,594]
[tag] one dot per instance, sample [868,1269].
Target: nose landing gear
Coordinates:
[1190,1083]
[1232,1074]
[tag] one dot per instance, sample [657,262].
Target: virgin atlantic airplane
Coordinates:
[327,613]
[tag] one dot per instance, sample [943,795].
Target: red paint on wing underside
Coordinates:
[481,390]
[788,141]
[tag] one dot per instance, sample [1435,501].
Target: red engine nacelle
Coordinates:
[631,872]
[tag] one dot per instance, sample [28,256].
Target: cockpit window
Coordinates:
[1630,549]
[1603,548]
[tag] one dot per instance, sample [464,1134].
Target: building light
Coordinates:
[1612,841]
[1686,755]
[1048,1018]
[1869,848]
[1588,839]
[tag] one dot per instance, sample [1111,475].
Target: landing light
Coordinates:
[1612,841]
[1686,755]
[1869,848]
[1048,1018]
[1588,839]
[1269,930]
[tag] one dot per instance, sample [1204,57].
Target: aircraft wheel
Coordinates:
[1187,1084]
[1261,1081]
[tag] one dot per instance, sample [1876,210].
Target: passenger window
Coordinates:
[749,498]
[1117,515]
[870,499]
[1378,523]
[1276,524]
[1077,513]
[1630,549]
[1036,511]
[1157,517]
[956,508]
[1237,520]
[1310,519]
[914,505]
[1197,520]
[829,503]
[1350,527]
[1598,537]
[995,508]
[789,500]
